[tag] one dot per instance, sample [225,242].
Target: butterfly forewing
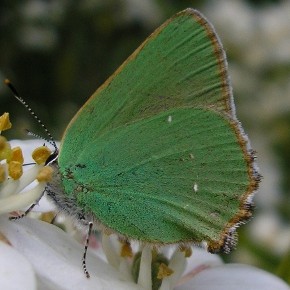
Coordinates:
[181,64]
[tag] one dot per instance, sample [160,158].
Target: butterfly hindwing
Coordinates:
[183,178]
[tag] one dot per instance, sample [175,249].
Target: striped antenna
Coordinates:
[50,139]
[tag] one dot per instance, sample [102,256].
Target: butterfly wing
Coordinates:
[163,159]
[181,64]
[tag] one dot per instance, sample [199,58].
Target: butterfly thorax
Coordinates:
[66,203]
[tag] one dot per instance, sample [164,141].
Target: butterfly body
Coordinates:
[157,154]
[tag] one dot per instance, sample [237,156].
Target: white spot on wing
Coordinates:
[214,214]
[195,187]
[169,119]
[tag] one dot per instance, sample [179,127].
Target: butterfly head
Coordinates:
[52,158]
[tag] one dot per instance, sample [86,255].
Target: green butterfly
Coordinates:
[157,154]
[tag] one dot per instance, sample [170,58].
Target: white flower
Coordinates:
[42,256]
[52,258]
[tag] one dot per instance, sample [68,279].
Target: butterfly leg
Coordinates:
[86,248]
[28,210]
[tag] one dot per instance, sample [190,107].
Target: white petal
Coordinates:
[18,201]
[202,257]
[177,263]
[199,260]
[234,277]
[56,257]
[15,271]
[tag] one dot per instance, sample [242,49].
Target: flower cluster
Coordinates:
[12,178]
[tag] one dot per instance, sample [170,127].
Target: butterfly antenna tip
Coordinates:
[50,139]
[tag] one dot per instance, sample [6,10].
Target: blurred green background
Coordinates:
[58,52]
